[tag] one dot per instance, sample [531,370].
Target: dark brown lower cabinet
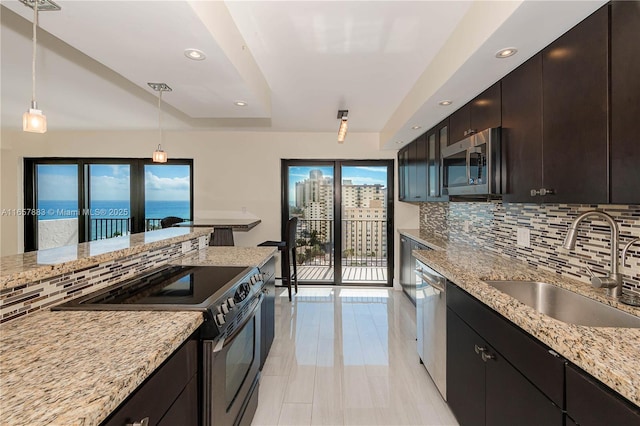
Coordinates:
[483,388]
[170,393]
[268,310]
[496,373]
[590,403]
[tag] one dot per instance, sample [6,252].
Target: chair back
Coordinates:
[290,233]
[169,221]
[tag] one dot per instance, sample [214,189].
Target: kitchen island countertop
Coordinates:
[228,256]
[609,354]
[76,367]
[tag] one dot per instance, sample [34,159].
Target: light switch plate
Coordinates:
[523,237]
[466,225]
[186,246]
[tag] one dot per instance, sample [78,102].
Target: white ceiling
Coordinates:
[295,62]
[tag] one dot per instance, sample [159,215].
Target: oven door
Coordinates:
[231,372]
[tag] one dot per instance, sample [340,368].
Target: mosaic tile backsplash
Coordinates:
[494,226]
[26,299]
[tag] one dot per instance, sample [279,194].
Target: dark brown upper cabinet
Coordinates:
[625,102]
[522,131]
[436,138]
[412,165]
[575,101]
[483,112]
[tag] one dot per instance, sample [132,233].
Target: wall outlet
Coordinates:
[202,243]
[523,237]
[186,246]
[466,226]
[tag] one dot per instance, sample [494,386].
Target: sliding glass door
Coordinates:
[344,220]
[311,199]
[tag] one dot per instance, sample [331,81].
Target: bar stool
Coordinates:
[288,249]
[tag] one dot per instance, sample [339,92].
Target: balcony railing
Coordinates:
[364,242]
[102,229]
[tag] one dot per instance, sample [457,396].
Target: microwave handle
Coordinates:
[468,165]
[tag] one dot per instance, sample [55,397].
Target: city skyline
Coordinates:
[358,175]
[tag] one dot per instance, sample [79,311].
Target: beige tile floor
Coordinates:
[347,356]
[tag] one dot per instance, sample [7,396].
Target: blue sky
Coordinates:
[111,182]
[359,175]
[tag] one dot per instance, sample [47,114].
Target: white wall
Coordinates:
[231,169]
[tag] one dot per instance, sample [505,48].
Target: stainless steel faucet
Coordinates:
[613,281]
[626,248]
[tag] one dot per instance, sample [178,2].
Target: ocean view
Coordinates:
[104,209]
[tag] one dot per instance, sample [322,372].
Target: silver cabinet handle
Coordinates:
[479,349]
[542,191]
[486,356]
[143,422]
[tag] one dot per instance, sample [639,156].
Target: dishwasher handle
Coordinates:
[430,277]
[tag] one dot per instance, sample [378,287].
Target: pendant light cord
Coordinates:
[33,62]
[160,114]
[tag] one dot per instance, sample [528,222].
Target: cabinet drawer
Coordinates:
[591,403]
[533,359]
[157,394]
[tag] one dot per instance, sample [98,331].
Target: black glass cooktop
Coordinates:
[174,285]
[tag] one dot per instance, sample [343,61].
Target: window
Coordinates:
[78,200]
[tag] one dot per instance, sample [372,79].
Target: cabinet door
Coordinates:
[436,139]
[403,173]
[267,315]
[590,403]
[465,372]
[625,102]
[420,191]
[459,124]
[485,109]
[512,400]
[575,113]
[522,130]
[406,268]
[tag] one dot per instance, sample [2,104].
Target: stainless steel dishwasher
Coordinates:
[431,321]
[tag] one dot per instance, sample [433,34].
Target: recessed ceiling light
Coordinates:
[416,127]
[445,103]
[195,54]
[399,142]
[241,103]
[505,53]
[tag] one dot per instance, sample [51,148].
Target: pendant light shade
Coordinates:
[34,120]
[159,156]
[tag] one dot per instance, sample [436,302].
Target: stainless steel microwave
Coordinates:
[473,166]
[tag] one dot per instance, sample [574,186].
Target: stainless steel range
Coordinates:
[230,299]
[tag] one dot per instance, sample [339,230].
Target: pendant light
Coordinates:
[34,120]
[159,156]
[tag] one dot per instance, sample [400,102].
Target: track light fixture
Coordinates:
[159,156]
[34,120]
[342,130]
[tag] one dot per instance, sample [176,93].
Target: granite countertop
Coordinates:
[75,368]
[228,256]
[20,269]
[609,354]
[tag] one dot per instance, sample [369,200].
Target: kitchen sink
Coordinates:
[565,305]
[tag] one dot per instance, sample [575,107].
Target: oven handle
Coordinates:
[226,340]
